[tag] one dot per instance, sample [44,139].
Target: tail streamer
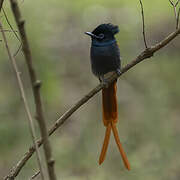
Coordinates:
[110,117]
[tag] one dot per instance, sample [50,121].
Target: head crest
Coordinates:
[106,28]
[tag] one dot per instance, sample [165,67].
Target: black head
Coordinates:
[104,32]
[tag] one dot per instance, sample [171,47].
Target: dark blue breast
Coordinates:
[105,57]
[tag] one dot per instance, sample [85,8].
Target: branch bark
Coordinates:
[143,23]
[177,22]
[147,53]
[36,88]
[176,14]
[21,88]
[15,32]
[1,4]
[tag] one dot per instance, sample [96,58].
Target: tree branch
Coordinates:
[147,53]
[177,2]
[1,4]
[143,23]
[36,88]
[15,32]
[176,14]
[21,88]
[35,175]
[8,30]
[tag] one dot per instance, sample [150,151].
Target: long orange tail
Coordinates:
[110,117]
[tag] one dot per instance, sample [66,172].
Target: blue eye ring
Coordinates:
[101,36]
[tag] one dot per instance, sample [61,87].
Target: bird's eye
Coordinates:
[101,36]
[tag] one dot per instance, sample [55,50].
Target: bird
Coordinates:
[105,60]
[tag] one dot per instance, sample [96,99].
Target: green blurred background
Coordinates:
[148,95]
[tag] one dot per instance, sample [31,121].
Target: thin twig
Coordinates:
[175,14]
[7,20]
[143,23]
[36,89]
[17,51]
[177,25]
[23,96]
[7,30]
[171,2]
[1,4]
[174,5]
[177,3]
[35,175]
[147,53]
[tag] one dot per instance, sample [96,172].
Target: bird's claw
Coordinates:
[105,83]
[118,71]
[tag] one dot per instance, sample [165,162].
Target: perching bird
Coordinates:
[105,59]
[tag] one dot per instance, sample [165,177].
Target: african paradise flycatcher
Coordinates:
[105,58]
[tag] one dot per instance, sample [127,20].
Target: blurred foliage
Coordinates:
[148,95]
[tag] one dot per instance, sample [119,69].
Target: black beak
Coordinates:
[92,35]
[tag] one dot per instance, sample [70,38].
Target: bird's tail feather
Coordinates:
[118,142]
[105,144]
[110,117]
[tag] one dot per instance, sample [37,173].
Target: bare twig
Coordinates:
[1,4]
[174,3]
[177,3]
[7,20]
[143,23]
[36,89]
[176,14]
[147,53]
[7,30]
[171,2]
[16,35]
[35,175]
[17,51]
[21,88]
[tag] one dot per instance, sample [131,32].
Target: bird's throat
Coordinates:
[102,44]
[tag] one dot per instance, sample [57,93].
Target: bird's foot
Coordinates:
[103,81]
[118,72]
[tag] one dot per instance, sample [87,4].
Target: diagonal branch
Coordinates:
[36,88]
[171,3]
[177,2]
[1,4]
[34,176]
[21,88]
[15,32]
[8,22]
[147,53]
